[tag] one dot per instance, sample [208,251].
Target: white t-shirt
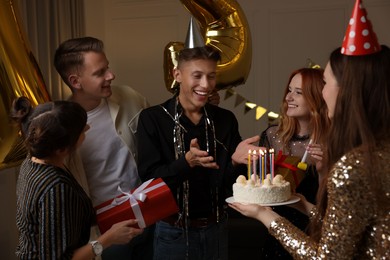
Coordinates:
[106,159]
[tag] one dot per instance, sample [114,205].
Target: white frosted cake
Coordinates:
[251,191]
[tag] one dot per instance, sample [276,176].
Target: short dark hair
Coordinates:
[199,53]
[69,56]
[50,126]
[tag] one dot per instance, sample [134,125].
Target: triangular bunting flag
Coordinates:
[260,111]
[273,115]
[249,106]
[312,65]
[228,93]
[239,100]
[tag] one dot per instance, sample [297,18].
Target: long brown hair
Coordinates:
[364,83]
[312,85]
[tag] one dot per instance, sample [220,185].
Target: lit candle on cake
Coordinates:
[263,173]
[254,164]
[249,164]
[260,165]
[271,165]
[265,162]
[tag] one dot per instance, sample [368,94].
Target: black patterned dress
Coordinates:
[53,213]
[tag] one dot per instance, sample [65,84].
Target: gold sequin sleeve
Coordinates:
[354,226]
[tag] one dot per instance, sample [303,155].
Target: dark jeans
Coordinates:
[211,242]
[139,248]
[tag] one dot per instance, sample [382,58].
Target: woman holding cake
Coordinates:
[303,118]
[352,217]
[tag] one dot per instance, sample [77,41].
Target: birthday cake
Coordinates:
[269,191]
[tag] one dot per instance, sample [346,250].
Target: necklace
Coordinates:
[297,137]
[179,145]
[178,134]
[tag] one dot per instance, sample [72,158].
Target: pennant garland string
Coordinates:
[239,100]
[311,64]
[260,111]
[228,93]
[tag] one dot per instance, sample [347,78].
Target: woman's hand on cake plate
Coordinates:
[264,214]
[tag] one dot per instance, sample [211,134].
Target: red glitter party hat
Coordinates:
[360,38]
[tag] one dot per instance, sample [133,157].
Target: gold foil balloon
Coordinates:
[224,26]
[19,76]
[170,62]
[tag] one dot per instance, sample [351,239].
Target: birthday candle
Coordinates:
[265,162]
[264,174]
[272,162]
[254,164]
[260,166]
[249,164]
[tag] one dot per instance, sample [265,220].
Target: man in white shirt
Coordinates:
[107,158]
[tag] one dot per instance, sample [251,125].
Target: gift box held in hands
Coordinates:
[148,203]
[287,167]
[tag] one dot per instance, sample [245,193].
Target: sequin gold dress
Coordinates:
[270,138]
[355,225]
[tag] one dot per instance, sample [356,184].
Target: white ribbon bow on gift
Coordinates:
[139,194]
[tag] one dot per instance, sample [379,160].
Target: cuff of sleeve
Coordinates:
[274,224]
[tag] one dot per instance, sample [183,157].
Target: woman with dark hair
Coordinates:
[54,214]
[352,216]
[303,117]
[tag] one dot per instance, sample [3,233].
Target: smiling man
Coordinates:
[191,144]
[107,157]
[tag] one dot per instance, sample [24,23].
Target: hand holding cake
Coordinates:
[262,213]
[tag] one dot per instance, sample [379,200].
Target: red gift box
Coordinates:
[150,202]
[286,166]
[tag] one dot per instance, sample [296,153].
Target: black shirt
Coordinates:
[156,151]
